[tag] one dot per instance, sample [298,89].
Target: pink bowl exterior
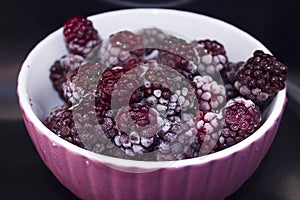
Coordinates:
[91,179]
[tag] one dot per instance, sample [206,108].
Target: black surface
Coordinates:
[25,23]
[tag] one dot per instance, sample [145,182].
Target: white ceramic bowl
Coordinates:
[91,176]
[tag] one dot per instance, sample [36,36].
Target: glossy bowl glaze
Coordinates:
[92,176]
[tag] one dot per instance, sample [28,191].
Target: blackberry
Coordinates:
[261,78]
[178,141]
[228,74]
[209,125]
[176,138]
[61,70]
[127,83]
[178,54]
[212,56]
[105,88]
[210,94]
[122,47]
[79,126]
[159,98]
[152,39]
[137,129]
[61,122]
[176,82]
[242,118]
[80,35]
[83,83]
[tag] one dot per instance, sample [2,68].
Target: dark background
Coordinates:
[24,23]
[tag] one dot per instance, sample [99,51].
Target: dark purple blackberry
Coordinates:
[152,39]
[216,49]
[210,94]
[128,82]
[159,98]
[122,47]
[242,118]
[83,83]
[261,78]
[62,69]
[209,126]
[228,74]
[105,88]
[61,122]
[177,141]
[78,125]
[178,54]
[183,91]
[212,56]
[128,132]
[80,35]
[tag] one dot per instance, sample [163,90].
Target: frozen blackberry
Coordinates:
[80,35]
[177,141]
[122,47]
[128,82]
[212,56]
[229,73]
[183,91]
[159,98]
[242,118]
[210,94]
[132,130]
[78,125]
[83,83]
[61,122]
[105,88]
[61,70]
[261,78]
[216,49]
[176,138]
[209,126]
[178,54]
[152,39]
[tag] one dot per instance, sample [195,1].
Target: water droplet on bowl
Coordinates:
[87,163]
[53,145]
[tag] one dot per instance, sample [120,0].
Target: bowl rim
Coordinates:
[29,115]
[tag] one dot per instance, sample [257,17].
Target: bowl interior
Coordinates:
[36,93]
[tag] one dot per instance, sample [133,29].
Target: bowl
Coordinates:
[93,176]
